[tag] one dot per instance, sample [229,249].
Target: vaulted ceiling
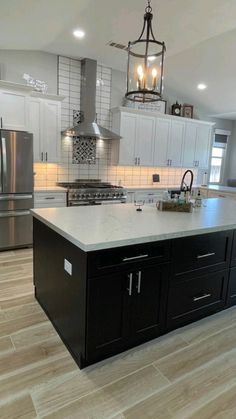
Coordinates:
[200,37]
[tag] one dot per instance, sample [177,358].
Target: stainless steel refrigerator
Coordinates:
[16,188]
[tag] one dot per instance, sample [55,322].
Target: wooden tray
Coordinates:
[174,206]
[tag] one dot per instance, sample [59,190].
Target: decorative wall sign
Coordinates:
[38,85]
[84,150]
[187,111]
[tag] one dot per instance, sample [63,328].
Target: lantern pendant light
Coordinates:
[145,64]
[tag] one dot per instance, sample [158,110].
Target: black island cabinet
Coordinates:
[106,301]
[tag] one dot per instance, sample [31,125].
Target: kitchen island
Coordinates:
[110,278]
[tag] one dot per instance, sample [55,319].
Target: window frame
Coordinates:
[214,145]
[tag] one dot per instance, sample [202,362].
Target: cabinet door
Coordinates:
[148,303]
[13,110]
[190,136]
[127,142]
[162,135]
[144,143]
[231,298]
[107,327]
[35,126]
[203,144]
[51,130]
[175,146]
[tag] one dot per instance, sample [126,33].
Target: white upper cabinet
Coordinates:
[144,144]
[127,131]
[35,126]
[162,136]
[175,144]
[149,139]
[45,122]
[190,137]
[203,146]
[13,110]
[51,130]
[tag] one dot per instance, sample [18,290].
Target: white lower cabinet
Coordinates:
[45,124]
[45,199]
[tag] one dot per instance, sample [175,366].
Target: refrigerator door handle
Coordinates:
[4,162]
[8,214]
[15,197]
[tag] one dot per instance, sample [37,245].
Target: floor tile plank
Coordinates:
[21,408]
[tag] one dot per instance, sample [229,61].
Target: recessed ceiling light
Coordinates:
[201,86]
[78,33]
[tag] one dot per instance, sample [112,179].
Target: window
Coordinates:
[218,156]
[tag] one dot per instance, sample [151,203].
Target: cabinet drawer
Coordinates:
[112,260]
[49,198]
[205,253]
[194,298]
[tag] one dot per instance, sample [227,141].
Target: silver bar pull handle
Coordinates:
[46,156]
[42,156]
[4,164]
[49,197]
[207,255]
[139,282]
[130,276]
[202,297]
[138,160]
[134,258]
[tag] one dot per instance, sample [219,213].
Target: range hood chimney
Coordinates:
[89,127]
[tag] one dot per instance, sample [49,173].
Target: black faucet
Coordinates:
[184,186]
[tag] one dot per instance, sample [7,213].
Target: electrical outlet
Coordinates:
[67,266]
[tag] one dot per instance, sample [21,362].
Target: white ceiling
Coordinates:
[204,29]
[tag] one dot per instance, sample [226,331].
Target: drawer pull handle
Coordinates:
[207,255]
[130,276]
[139,282]
[202,297]
[134,258]
[49,197]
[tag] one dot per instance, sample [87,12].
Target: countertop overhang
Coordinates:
[108,226]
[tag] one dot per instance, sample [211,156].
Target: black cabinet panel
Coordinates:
[149,303]
[231,298]
[62,296]
[194,298]
[107,325]
[123,258]
[233,258]
[203,253]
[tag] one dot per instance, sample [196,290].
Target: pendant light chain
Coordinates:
[148,8]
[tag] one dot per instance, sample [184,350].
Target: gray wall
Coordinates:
[40,65]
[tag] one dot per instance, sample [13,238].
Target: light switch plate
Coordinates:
[67,266]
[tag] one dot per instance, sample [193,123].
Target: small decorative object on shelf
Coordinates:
[174,206]
[176,109]
[38,85]
[187,110]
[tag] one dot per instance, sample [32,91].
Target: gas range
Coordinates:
[93,192]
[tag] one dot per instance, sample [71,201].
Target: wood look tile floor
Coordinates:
[189,373]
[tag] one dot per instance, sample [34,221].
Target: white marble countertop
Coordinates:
[51,189]
[108,226]
[220,188]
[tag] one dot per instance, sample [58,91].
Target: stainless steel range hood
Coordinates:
[89,128]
